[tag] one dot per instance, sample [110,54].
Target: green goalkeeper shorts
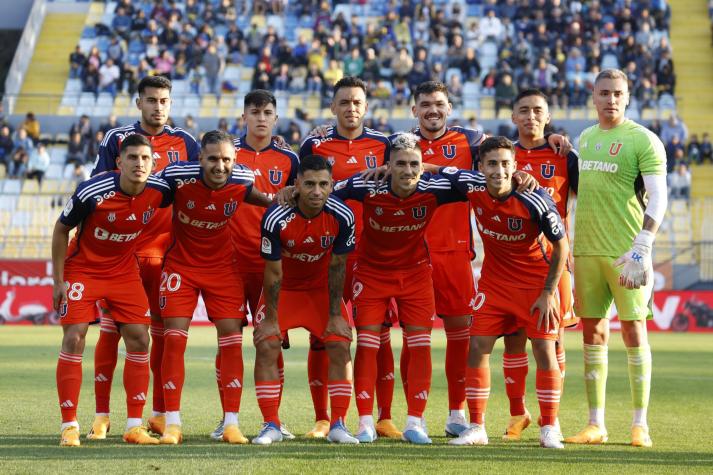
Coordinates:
[596,286]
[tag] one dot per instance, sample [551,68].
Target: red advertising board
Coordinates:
[26,298]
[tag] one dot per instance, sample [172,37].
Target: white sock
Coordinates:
[69,424]
[173,418]
[101,414]
[457,414]
[412,421]
[366,421]
[639,418]
[596,417]
[230,418]
[157,413]
[132,422]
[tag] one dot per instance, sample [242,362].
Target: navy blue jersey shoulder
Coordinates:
[543,211]
[441,187]
[573,170]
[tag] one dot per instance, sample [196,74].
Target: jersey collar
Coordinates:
[418,132]
[138,129]
[244,144]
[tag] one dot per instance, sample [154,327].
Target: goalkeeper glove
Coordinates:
[638,268]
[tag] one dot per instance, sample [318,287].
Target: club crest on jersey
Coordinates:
[419,212]
[370,161]
[378,211]
[615,148]
[449,151]
[111,218]
[330,160]
[514,224]
[291,243]
[275,177]
[229,208]
[191,204]
[479,211]
[148,214]
[63,310]
[326,241]
[173,156]
[547,170]
[162,302]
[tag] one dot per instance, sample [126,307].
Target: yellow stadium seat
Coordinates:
[558,114]
[401,113]
[65,110]
[30,187]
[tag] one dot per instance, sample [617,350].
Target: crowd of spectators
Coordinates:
[556,45]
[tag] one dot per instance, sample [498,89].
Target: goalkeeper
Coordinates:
[615,229]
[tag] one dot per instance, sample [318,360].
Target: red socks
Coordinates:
[105,355]
[268,399]
[515,371]
[457,343]
[136,383]
[155,360]
[548,385]
[69,382]
[231,370]
[317,375]
[340,393]
[173,369]
[365,371]
[419,373]
[561,361]
[385,374]
[477,392]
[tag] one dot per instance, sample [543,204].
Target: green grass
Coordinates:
[680,418]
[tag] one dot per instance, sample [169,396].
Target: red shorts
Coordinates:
[308,309]
[123,296]
[453,283]
[569,319]
[221,289]
[501,310]
[150,270]
[411,289]
[252,288]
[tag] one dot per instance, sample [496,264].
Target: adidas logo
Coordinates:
[257,172]
[352,160]
[497,218]
[156,156]
[235,384]
[388,377]
[309,240]
[67,404]
[315,383]
[101,378]
[429,152]
[422,395]
[132,217]
[139,397]
[363,395]
[210,207]
[399,213]
[593,375]
[169,385]
[509,380]
[527,168]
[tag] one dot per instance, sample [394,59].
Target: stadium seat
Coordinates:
[12,186]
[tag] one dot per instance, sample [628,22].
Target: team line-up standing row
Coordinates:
[303,256]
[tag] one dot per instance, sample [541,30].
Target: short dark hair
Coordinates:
[314,162]
[429,87]
[349,81]
[259,98]
[529,92]
[159,82]
[495,143]
[216,137]
[135,140]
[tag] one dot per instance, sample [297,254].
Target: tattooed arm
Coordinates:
[266,320]
[337,325]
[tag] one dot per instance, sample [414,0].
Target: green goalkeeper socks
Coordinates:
[596,365]
[640,375]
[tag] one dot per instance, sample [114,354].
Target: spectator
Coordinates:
[223,124]
[666,81]
[315,81]
[505,92]
[673,147]
[164,63]
[673,126]
[489,82]
[491,28]
[191,126]
[76,150]
[333,73]
[77,59]
[370,70]
[544,75]
[680,182]
[22,140]
[110,123]
[84,128]
[18,163]
[32,126]
[90,79]
[402,65]
[383,126]
[213,66]
[94,143]
[122,22]
[282,80]
[469,66]
[38,163]
[402,92]
[706,148]
[238,127]
[474,124]
[109,74]
[693,150]
[455,90]
[6,146]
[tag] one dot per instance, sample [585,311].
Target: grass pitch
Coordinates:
[679,416]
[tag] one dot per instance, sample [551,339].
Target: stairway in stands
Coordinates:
[48,71]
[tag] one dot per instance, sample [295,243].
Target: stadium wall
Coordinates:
[26,298]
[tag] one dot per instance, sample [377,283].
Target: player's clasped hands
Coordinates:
[547,308]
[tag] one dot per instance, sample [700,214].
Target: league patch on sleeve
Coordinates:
[266,246]
[68,207]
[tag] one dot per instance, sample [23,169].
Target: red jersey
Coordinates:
[511,229]
[348,157]
[274,169]
[457,147]
[110,223]
[554,173]
[395,228]
[201,235]
[170,146]
[305,245]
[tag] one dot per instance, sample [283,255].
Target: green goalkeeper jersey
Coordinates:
[609,215]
